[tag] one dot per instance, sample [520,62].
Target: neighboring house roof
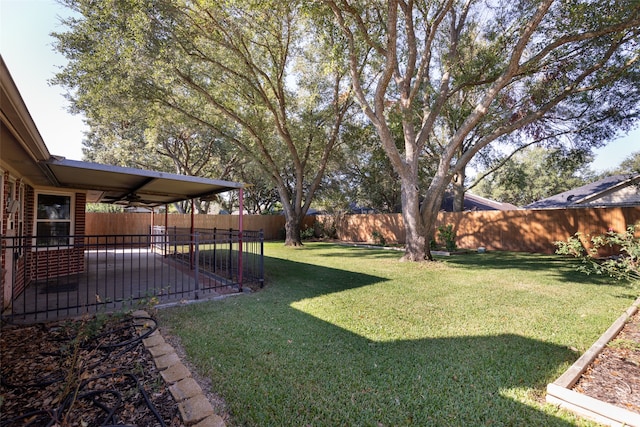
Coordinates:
[356,209]
[476,203]
[617,190]
[24,153]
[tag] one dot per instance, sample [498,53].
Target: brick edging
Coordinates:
[195,409]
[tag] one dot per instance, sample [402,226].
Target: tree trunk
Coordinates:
[293,214]
[416,248]
[292,230]
[430,208]
[458,192]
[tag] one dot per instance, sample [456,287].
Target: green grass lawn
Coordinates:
[344,336]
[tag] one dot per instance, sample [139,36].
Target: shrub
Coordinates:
[447,235]
[327,227]
[307,233]
[625,266]
[433,244]
[378,238]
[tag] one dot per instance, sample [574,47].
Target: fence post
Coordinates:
[261,260]
[230,257]
[166,231]
[175,239]
[240,266]
[194,240]
[215,242]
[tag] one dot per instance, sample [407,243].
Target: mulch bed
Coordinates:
[81,373]
[614,376]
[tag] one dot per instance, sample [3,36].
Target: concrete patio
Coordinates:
[116,279]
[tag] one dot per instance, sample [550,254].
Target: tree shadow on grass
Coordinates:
[564,267]
[351,380]
[346,250]
[278,364]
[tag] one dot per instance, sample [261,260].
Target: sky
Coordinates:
[27,49]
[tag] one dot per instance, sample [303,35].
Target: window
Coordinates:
[53,219]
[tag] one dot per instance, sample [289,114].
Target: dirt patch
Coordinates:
[614,376]
[81,373]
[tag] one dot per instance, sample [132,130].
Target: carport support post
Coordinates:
[191,232]
[240,229]
[166,231]
[197,266]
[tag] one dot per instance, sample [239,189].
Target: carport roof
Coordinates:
[129,186]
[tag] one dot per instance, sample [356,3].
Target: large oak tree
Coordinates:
[465,75]
[258,74]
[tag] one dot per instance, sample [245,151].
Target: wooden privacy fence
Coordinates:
[518,230]
[98,223]
[535,230]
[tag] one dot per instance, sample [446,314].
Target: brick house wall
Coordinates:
[31,264]
[43,264]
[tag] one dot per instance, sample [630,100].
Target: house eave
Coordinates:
[632,180]
[16,117]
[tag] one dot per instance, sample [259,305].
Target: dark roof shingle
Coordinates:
[577,196]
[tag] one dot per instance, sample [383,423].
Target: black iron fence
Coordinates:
[226,254]
[74,275]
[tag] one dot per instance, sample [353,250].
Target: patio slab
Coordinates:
[113,280]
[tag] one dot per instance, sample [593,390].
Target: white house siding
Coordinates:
[627,196]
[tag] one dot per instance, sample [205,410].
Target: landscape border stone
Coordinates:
[560,392]
[195,409]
